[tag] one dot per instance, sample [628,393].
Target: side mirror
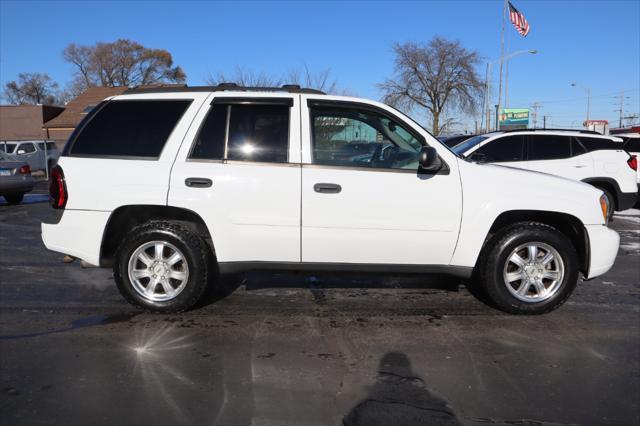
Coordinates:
[429,160]
[20,151]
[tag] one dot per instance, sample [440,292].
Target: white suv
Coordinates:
[172,187]
[586,156]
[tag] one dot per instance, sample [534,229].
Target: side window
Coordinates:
[361,138]
[508,148]
[632,145]
[258,133]
[209,143]
[576,147]
[135,128]
[597,144]
[255,133]
[26,148]
[549,147]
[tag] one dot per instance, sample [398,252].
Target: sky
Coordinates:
[595,44]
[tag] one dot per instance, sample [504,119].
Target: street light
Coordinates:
[487,85]
[506,76]
[588,96]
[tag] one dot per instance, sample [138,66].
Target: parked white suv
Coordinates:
[171,187]
[586,156]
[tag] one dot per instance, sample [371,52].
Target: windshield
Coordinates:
[463,147]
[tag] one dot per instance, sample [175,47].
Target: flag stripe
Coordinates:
[518,20]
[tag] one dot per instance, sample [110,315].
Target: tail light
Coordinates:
[25,170]
[633,162]
[57,188]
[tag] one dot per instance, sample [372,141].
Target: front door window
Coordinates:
[361,138]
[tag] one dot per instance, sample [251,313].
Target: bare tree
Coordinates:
[32,88]
[120,63]
[303,77]
[439,76]
[244,77]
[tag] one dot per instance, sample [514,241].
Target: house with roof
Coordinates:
[25,122]
[60,128]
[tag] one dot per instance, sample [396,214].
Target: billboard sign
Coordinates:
[514,118]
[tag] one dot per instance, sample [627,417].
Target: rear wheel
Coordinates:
[14,198]
[530,268]
[163,267]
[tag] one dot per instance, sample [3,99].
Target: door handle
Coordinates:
[195,182]
[579,166]
[327,188]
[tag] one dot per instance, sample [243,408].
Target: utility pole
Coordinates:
[535,107]
[544,121]
[621,109]
[504,18]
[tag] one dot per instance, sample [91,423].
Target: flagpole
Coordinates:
[504,17]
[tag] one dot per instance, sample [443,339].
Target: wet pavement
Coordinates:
[288,349]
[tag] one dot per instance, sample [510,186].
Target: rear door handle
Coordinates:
[579,166]
[327,188]
[196,182]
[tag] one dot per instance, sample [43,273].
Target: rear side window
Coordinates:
[597,144]
[508,148]
[549,147]
[576,147]
[209,144]
[129,128]
[632,145]
[26,148]
[255,133]
[258,133]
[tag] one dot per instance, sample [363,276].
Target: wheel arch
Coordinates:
[569,225]
[125,218]
[607,183]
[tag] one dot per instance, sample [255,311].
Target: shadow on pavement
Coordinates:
[399,397]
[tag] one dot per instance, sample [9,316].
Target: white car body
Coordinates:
[269,213]
[632,145]
[605,168]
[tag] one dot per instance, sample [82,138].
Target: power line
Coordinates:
[580,98]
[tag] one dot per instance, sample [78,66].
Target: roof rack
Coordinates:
[288,88]
[589,132]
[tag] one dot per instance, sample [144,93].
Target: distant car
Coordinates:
[452,141]
[589,157]
[632,146]
[15,178]
[33,152]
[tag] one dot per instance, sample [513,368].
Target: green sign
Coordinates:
[514,118]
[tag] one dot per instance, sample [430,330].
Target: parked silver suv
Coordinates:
[38,154]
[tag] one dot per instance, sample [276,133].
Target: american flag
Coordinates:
[518,21]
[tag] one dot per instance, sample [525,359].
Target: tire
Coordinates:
[537,292]
[611,203]
[14,198]
[188,277]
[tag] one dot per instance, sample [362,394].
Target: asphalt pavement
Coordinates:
[290,349]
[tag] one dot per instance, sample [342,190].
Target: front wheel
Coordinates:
[530,268]
[162,267]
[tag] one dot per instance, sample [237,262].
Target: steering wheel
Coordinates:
[385,156]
